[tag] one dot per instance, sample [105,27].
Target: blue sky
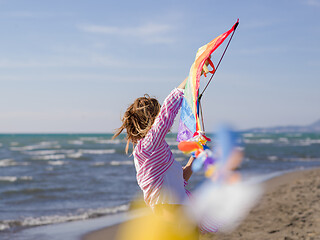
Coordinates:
[74,66]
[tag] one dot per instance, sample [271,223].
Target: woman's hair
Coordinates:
[138,119]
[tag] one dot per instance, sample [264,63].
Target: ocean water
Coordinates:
[55,178]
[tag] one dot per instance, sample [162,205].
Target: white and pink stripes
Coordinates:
[152,155]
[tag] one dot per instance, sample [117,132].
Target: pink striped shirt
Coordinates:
[152,155]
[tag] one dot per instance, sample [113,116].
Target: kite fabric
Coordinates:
[189,118]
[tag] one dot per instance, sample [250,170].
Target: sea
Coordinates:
[47,179]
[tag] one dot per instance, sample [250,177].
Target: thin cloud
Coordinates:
[313,3]
[150,32]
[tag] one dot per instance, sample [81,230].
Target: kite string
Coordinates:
[201,117]
[200,96]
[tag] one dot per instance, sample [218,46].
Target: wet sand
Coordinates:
[289,209]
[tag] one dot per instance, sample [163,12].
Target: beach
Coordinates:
[289,209]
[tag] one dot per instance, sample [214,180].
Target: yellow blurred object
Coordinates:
[175,226]
[211,169]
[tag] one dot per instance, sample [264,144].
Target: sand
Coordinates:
[289,209]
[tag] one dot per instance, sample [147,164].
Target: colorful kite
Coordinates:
[189,119]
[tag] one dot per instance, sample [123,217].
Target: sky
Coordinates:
[75,66]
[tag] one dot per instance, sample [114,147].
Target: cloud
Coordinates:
[150,32]
[313,3]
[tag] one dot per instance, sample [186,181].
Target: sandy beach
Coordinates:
[289,209]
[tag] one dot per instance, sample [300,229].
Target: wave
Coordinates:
[97,151]
[176,151]
[89,138]
[41,145]
[32,191]
[97,164]
[14,178]
[49,157]
[247,134]
[259,141]
[273,158]
[75,155]
[49,152]
[117,163]
[283,140]
[307,142]
[108,141]
[102,141]
[76,142]
[172,142]
[57,163]
[297,159]
[81,214]
[54,154]
[8,162]
[72,154]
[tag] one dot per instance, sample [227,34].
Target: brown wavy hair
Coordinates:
[138,119]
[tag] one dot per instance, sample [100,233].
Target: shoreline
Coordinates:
[73,230]
[280,192]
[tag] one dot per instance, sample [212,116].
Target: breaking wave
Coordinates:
[8,162]
[15,178]
[81,214]
[116,163]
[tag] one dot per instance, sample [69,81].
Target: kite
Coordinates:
[189,118]
[222,200]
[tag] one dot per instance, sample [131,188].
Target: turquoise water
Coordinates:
[53,178]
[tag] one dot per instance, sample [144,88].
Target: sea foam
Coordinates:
[81,214]
[97,151]
[15,178]
[116,163]
[49,157]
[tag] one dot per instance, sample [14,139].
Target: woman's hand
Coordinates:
[187,170]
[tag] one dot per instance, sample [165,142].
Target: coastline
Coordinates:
[288,209]
[73,230]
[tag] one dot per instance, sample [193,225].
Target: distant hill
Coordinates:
[314,127]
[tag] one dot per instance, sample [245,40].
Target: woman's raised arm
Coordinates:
[183,84]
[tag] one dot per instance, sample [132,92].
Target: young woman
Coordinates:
[160,177]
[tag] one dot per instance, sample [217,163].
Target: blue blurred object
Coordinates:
[226,141]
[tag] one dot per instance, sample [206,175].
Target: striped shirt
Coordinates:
[152,155]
